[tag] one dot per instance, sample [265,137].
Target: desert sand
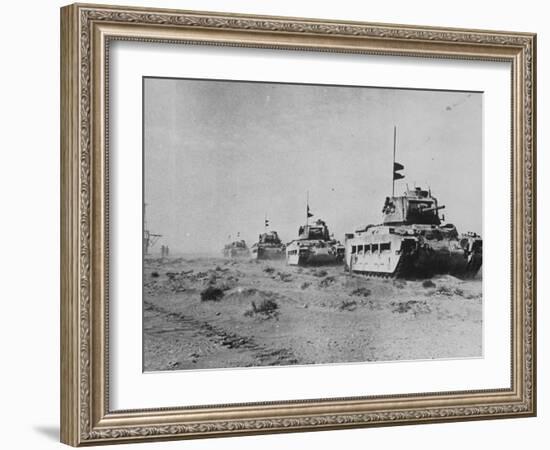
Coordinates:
[205,313]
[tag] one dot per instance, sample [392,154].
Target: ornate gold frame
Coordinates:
[86,31]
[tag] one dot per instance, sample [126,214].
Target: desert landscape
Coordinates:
[208,312]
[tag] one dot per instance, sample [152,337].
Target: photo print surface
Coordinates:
[294,224]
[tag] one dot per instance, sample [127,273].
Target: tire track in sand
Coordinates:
[217,336]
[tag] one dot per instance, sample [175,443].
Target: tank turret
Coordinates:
[414,206]
[318,230]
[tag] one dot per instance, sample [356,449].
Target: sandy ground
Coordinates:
[266,313]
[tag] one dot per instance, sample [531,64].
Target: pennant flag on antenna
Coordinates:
[396,168]
[309,213]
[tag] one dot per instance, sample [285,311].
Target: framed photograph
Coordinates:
[274,224]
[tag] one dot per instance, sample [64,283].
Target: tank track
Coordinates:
[403,269]
[398,272]
[473,266]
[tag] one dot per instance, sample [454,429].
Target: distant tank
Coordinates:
[269,246]
[236,249]
[314,246]
[413,242]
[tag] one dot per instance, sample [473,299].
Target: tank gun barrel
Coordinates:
[433,208]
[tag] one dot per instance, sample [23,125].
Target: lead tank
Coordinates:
[314,246]
[269,246]
[412,241]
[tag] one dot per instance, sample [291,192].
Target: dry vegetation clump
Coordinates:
[447,291]
[361,292]
[348,305]
[326,282]
[305,285]
[428,284]
[413,306]
[265,309]
[283,276]
[173,282]
[212,293]
[269,269]
[444,290]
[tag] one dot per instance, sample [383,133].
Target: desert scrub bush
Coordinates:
[266,309]
[283,276]
[428,284]
[361,292]
[326,282]
[444,290]
[305,285]
[348,305]
[154,275]
[265,306]
[269,269]
[413,306]
[212,293]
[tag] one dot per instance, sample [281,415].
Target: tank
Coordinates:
[236,249]
[314,246]
[269,246]
[413,241]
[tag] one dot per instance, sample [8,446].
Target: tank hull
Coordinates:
[406,252]
[236,252]
[308,253]
[268,253]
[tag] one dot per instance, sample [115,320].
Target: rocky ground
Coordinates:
[202,313]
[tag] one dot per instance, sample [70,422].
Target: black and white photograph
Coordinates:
[295,224]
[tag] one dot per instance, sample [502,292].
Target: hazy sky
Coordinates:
[219,155]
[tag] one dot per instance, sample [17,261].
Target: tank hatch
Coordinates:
[416,206]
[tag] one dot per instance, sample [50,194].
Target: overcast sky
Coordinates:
[219,155]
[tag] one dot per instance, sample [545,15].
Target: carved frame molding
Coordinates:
[86,31]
